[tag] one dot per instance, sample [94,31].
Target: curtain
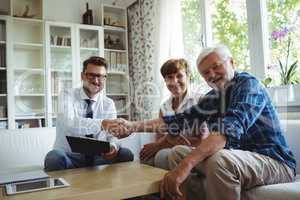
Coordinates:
[170,38]
[154,35]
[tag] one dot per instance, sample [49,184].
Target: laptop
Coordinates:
[88,146]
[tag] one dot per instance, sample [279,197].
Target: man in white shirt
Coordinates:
[85,111]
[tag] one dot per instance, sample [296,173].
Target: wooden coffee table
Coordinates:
[108,182]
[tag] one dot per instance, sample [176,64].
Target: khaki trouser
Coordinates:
[228,174]
[160,159]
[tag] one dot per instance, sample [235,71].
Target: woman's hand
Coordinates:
[149,151]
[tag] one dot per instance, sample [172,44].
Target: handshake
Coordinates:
[119,128]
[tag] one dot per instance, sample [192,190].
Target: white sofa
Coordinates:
[287,191]
[23,150]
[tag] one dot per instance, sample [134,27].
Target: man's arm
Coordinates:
[173,179]
[112,115]
[245,108]
[213,143]
[122,128]
[195,115]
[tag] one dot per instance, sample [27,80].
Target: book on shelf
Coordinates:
[3,124]
[40,123]
[2,55]
[118,60]
[2,31]
[113,60]
[107,58]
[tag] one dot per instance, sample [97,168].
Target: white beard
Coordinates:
[230,72]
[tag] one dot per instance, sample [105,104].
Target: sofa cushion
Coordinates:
[286,191]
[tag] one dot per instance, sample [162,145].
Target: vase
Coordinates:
[87,17]
[285,95]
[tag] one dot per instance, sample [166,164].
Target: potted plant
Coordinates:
[285,94]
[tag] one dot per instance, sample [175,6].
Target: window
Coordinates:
[229,27]
[193,41]
[284,35]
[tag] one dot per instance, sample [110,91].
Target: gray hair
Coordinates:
[221,50]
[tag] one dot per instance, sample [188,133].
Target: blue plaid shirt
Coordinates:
[244,113]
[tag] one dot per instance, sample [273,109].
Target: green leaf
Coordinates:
[267,81]
[282,74]
[291,72]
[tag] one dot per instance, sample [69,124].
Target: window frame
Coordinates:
[258,35]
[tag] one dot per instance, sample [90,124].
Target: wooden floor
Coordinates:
[109,182]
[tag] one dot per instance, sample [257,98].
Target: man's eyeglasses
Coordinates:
[92,76]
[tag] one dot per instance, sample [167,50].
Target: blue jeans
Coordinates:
[59,159]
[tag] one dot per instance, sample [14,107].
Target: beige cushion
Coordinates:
[286,191]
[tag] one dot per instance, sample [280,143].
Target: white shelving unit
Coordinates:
[60,55]
[43,57]
[26,79]
[116,53]
[3,74]
[90,43]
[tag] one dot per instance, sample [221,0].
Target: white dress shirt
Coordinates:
[71,118]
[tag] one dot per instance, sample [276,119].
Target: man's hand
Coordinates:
[123,128]
[149,150]
[111,154]
[170,185]
[116,127]
[178,140]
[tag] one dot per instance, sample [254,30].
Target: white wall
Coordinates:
[72,10]
[62,10]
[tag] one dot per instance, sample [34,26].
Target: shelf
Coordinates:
[114,28]
[29,69]
[89,49]
[60,71]
[2,42]
[113,8]
[30,117]
[60,48]
[3,95]
[33,20]
[3,118]
[116,94]
[116,72]
[116,50]
[122,114]
[24,45]
[30,95]
[2,68]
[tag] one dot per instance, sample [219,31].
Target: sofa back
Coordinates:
[26,148]
[292,135]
